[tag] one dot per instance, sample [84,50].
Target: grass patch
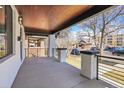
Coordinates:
[74,60]
[2,53]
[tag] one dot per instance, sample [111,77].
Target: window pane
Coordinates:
[5,31]
[8,12]
[2,32]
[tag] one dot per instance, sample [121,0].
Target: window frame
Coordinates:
[8,32]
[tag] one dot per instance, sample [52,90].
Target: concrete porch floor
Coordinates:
[45,72]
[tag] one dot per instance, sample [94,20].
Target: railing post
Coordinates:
[89,64]
[28,52]
[97,64]
[62,52]
[37,52]
[53,52]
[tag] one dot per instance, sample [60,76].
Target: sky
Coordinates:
[75,28]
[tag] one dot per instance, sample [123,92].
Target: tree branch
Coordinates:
[119,12]
[113,30]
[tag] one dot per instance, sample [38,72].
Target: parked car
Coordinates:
[118,50]
[94,49]
[75,51]
[115,50]
[108,49]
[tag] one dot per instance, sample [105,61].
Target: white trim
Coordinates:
[6,58]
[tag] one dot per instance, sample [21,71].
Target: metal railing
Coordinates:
[36,52]
[111,69]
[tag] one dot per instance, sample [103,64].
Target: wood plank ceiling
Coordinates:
[49,18]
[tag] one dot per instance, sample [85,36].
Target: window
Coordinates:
[6,41]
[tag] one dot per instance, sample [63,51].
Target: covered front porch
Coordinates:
[37,61]
[47,72]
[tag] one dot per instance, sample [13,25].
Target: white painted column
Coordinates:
[26,46]
[51,45]
[23,43]
[88,64]
[62,52]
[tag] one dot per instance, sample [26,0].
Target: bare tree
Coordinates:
[105,23]
[90,26]
[81,35]
[62,39]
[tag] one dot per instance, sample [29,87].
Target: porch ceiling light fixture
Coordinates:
[20,20]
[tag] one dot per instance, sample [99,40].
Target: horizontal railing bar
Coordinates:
[111,57]
[113,75]
[111,61]
[113,71]
[116,84]
[112,67]
[113,78]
